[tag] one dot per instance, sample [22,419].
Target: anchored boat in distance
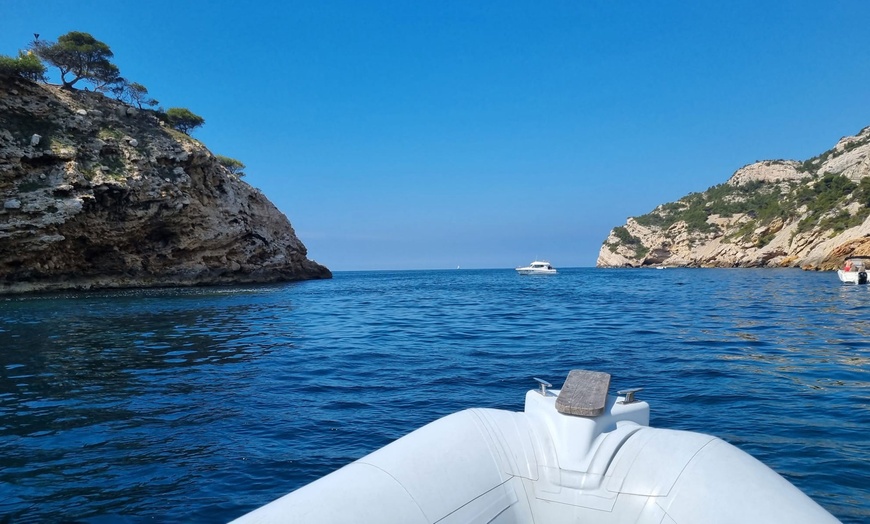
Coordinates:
[538,267]
[854,271]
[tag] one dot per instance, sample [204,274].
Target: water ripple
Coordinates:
[197,405]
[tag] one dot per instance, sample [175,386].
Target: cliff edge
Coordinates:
[97,194]
[775,213]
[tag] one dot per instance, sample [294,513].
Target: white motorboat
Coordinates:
[854,271]
[538,267]
[573,455]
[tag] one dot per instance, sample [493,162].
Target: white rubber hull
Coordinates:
[852,277]
[540,466]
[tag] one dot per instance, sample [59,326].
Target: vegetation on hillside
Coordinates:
[27,65]
[829,202]
[79,57]
[183,119]
[763,202]
[627,239]
[811,165]
[133,93]
[233,166]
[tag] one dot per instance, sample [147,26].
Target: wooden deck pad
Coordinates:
[584,393]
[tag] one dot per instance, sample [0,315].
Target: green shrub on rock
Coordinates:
[27,65]
[233,166]
[183,119]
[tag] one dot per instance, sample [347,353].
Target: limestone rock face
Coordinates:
[775,213]
[98,194]
[768,171]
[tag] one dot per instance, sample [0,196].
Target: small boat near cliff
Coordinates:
[854,271]
[573,455]
[538,267]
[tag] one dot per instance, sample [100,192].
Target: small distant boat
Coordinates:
[854,272]
[538,267]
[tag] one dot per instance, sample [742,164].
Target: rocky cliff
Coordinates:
[95,193]
[776,213]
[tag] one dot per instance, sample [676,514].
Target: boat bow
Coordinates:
[546,465]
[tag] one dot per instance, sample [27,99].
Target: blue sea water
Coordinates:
[198,405]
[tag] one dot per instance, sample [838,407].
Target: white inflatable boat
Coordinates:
[574,455]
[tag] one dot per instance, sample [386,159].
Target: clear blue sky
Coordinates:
[482,134]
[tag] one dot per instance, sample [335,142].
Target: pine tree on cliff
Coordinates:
[133,93]
[183,119]
[82,56]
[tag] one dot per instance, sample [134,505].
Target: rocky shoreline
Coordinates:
[775,213]
[95,193]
